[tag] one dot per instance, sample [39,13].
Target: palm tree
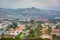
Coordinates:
[49,29]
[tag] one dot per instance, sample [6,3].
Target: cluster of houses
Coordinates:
[17,30]
[21,27]
[54,30]
[13,32]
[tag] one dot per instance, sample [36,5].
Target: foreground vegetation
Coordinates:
[21,39]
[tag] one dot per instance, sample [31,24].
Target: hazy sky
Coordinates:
[42,4]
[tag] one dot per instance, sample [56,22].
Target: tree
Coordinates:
[49,29]
[32,21]
[14,24]
[28,27]
[46,39]
[38,30]
[2,35]
[32,31]
[54,36]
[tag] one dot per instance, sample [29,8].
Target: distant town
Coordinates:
[32,29]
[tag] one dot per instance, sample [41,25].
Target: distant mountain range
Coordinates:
[29,13]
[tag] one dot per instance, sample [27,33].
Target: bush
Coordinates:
[46,39]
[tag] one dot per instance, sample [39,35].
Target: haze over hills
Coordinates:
[29,13]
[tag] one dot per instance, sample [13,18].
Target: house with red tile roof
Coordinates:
[16,31]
